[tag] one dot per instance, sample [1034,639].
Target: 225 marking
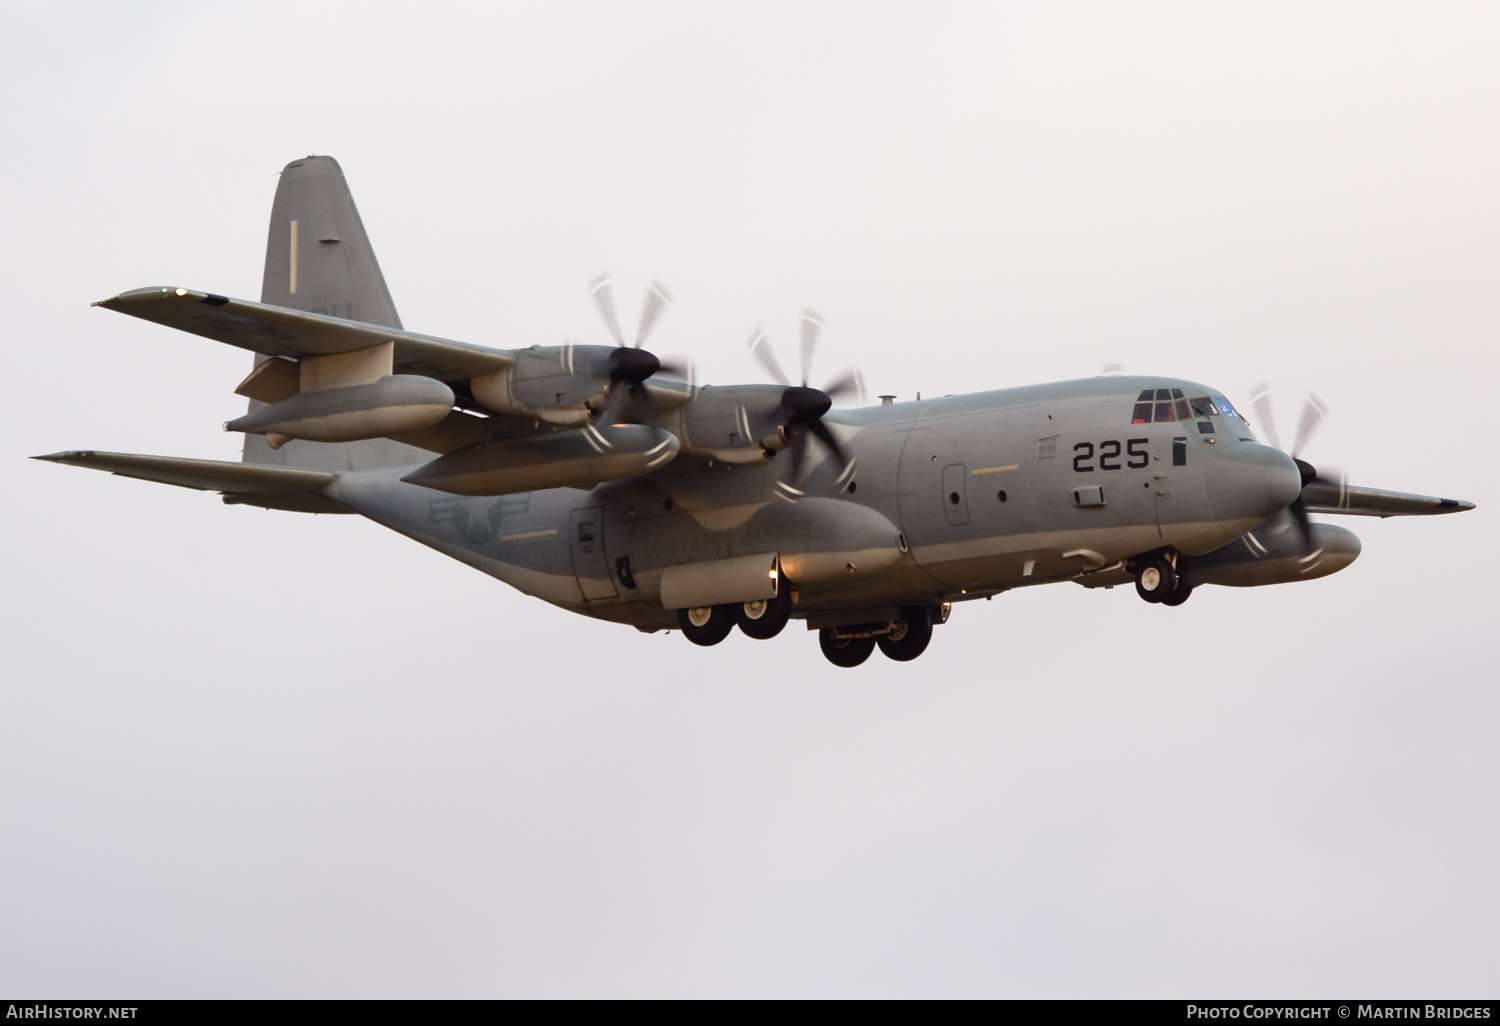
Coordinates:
[1109,455]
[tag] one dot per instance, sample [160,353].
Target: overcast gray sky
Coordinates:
[412,781]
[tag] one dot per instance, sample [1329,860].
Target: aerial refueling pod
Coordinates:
[386,406]
[558,459]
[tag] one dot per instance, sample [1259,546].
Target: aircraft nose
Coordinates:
[1250,482]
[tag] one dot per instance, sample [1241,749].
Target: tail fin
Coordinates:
[319,259]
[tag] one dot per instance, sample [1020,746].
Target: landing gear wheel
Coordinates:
[763,620]
[1178,595]
[1154,579]
[845,652]
[909,635]
[706,625]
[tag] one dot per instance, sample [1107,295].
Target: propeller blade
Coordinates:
[812,325]
[1313,413]
[681,369]
[604,300]
[619,395]
[761,350]
[1299,513]
[650,413]
[826,437]
[797,436]
[1260,401]
[657,297]
[626,398]
[852,383]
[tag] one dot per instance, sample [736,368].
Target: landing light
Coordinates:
[182,292]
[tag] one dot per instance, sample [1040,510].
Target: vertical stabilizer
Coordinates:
[319,259]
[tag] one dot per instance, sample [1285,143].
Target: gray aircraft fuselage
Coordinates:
[972,494]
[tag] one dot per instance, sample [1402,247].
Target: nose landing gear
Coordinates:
[1158,580]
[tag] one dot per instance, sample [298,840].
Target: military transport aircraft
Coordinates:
[585,476]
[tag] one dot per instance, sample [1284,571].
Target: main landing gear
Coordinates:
[762,620]
[901,639]
[1158,580]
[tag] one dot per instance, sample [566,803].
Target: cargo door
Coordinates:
[586,535]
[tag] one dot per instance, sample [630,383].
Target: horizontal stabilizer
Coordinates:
[277,331]
[241,483]
[1329,497]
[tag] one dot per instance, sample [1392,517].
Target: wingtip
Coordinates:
[70,456]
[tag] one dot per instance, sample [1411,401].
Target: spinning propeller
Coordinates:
[630,366]
[802,407]
[1313,414]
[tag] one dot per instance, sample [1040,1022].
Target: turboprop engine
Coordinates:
[556,384]
[739,424]
[570,385]
[386,406]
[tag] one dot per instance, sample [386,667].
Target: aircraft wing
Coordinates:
[278,331]
[1330,497]
[248,484]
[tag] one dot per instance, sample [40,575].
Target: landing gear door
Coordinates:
[586,536]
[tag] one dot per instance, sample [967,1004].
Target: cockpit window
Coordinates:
[1159,405]
[1226,408]
[1167,405]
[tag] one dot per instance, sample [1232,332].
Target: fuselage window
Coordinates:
[1205,407]
[1164,411]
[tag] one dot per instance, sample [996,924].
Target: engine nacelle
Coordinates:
[735,424]
[386,406]
[556,384]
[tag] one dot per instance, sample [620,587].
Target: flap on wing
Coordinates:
[278,331]
[1326,497]
[247,483]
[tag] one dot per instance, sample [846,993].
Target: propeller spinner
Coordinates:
[803,407]
[630,365]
